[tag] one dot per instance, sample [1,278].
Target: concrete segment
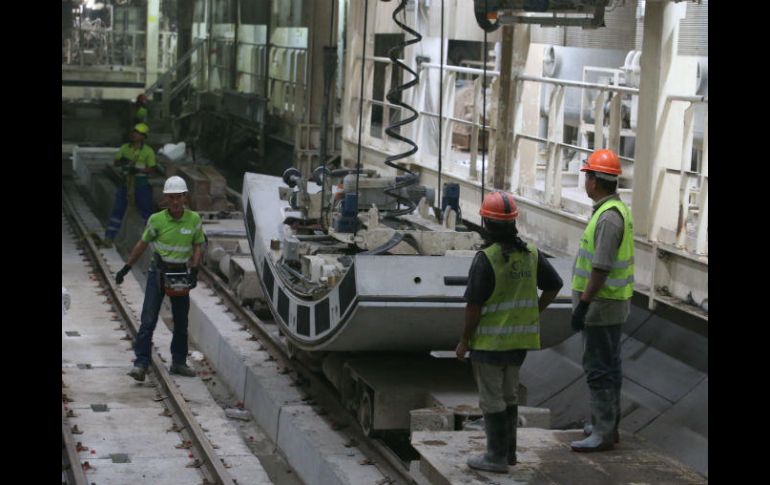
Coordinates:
[145,470]
[660,373]
[316,452]
[318,455]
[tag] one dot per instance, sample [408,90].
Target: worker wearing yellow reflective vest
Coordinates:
[176,235]
[137,162]
[502,321]
[140,115]
[602,286]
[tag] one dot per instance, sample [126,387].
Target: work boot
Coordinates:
[603,411]
[513,423]
[497,431]
[589,428]
[182,370]
[138,373]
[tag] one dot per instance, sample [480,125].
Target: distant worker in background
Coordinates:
[502,321]
[602,286]
[140,115]
[176,235]
[137,162]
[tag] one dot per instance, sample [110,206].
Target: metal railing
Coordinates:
[165,80]
[287,81]
[417,99]
[554,140]
[93,45]
[251,81]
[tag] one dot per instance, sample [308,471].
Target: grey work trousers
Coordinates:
[498,385]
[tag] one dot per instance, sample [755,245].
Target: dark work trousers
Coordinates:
[143,198]
[601,357]
[180,306]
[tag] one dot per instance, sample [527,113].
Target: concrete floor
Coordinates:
[545,458]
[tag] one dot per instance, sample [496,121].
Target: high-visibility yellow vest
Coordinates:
[620,281]
[510,318]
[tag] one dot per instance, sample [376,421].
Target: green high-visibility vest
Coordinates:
[141,114]
[620,281]
[510,318]
[173,239]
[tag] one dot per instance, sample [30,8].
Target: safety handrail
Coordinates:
[167,75]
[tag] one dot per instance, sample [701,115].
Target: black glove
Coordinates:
[132,170]
[579,316]
[122,274]
[193,277]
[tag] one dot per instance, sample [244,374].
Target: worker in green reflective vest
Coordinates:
[502,321]
[602,286]
[140,115]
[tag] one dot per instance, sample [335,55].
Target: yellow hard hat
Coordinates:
[142,128]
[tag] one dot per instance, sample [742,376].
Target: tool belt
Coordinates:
[174,278]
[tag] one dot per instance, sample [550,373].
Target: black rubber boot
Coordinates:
[513,423]
[495,459]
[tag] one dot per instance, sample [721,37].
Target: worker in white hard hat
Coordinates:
[136,161]
[176,236]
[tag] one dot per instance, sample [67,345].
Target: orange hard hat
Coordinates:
[604,161]
[499,206]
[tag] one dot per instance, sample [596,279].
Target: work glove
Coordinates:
[579,316]
[193,277]
[122,274]
[132,170]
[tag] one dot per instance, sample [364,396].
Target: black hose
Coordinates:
[484,116]
[411,178]
[440,107]
[361,95]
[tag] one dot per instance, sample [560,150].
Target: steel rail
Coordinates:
[214,465]
[75,471]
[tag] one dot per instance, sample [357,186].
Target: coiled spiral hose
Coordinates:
[411,178]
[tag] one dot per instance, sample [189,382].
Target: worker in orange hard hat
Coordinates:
[502,321]
[602,286]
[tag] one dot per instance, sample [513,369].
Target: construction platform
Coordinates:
[545,457]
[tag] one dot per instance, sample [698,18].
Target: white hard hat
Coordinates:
[174,185]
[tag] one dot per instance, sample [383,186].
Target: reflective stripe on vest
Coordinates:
[620,280]
[510,318]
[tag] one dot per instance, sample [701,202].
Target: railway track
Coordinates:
[201,451]
[319,391]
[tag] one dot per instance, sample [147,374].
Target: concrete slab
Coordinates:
[144,470]
[327,461]
[545,458]
[107,385]
[265,395]
[545,373]
[677,342]
[105,433]
[656,371]
[682,430]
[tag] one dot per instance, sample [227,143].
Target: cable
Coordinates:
[411,178]
[361,95]
[440,105]
[484,114]
[326,108]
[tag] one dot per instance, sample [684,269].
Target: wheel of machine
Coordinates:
[366,412]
